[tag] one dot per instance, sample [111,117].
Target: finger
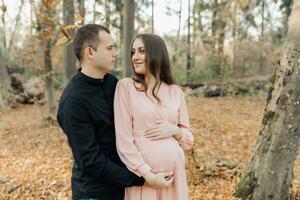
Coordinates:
[158,136]
[158,170]
[165,174]
[152,129]
[170,181]
[150,135]
[169,177]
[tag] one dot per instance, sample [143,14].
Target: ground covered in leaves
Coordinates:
[35,160]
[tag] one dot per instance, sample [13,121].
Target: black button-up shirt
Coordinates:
[85,114]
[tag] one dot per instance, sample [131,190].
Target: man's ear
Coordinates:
[88,52]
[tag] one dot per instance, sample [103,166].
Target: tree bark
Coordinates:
[50,91]
[107,13]
[4,27]
[152,16]
[16,26]
[4,78]
[188,64]
[270,171]
[69,56]
[128,28]
[81,10]
[178,33]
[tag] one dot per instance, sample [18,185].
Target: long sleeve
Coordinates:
[187,139]
[127,150]
[74,119]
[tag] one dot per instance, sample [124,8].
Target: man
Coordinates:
[85,114]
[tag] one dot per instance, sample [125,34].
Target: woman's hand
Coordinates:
[163,129]
[159,179]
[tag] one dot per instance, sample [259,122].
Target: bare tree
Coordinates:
[107,13]
[46,16]
[178,32]
[81,9]
[152,16]
[5,82]
[4,8]
[69,56]
[16,26]
[188,64]
[270,171]
[128,28]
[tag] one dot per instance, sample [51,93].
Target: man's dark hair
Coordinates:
[87,36]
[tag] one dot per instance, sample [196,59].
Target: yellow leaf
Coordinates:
[70,41]
[61,41]
[48,3]
[78,18]
[71,26]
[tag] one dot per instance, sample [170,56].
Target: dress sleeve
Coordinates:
[187,139]
[127,150]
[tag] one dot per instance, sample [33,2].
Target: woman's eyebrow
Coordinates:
[139,48]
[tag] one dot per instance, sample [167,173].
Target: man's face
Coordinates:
[105,56]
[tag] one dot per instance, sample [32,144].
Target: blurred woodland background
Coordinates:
[218,48]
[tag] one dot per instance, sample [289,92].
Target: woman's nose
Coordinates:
[134,56]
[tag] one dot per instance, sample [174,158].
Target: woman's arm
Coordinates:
[186,138]
[127,150]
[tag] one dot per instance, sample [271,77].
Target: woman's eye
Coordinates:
[142,51]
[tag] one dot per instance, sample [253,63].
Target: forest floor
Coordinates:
[36,161]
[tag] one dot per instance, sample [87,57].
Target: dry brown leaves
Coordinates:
[35,160]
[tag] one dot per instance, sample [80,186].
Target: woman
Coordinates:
[151,121]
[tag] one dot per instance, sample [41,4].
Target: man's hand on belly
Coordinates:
[159,178]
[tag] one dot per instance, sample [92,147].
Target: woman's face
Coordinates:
[138,57]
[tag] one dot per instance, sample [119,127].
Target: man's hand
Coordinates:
[163,129]
[159,178]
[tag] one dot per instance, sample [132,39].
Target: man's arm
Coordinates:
[74,120]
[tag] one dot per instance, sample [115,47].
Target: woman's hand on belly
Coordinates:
[159,179]
[162,129]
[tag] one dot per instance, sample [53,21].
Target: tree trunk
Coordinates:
[69,56]
[16,26]
[94,12]
[4,26]
[234,32]
[188,64]
[50,91]
[178,33]
[107,13]
[262,31]
[270,171]
[128,28]
[81,10]
[152,17]
[4,78]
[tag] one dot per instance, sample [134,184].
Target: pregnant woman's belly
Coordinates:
[161,154]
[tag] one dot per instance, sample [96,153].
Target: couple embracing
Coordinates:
[127,137]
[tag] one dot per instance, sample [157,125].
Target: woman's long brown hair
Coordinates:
[157,63]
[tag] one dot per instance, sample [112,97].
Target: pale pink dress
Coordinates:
[134,113]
